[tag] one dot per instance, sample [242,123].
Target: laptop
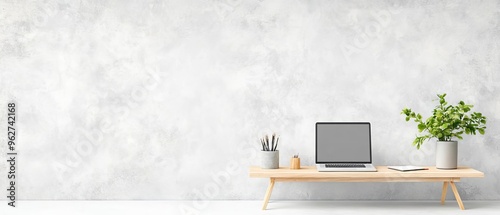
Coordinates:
[344,147]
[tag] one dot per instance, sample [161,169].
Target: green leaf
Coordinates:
[481,131]
[407,118]
[421,127]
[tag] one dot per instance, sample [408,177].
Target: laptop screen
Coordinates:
[343,142]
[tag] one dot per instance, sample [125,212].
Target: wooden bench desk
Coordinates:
[383,174]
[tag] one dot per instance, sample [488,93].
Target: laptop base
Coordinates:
[367,168]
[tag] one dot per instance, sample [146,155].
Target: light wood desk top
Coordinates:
[382,172]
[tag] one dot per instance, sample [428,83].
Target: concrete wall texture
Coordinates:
[167,99]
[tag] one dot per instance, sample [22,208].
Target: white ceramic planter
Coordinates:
[270,159]
[446,154]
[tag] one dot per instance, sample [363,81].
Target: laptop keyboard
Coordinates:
[344,165]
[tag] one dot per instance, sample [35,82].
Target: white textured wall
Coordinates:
[165,99]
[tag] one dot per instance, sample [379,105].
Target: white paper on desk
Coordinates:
[407,168]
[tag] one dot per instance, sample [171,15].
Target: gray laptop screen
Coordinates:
[343,142]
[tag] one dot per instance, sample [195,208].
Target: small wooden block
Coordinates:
[295,163]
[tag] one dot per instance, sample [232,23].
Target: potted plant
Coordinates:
[269,154]
[447,123]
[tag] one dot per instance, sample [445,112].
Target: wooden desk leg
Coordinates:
[268,193]
[457,196]
[443,194]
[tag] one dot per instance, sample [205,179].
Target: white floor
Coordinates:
[249,207]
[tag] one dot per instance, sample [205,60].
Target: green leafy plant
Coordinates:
[447,122]
[269,144]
